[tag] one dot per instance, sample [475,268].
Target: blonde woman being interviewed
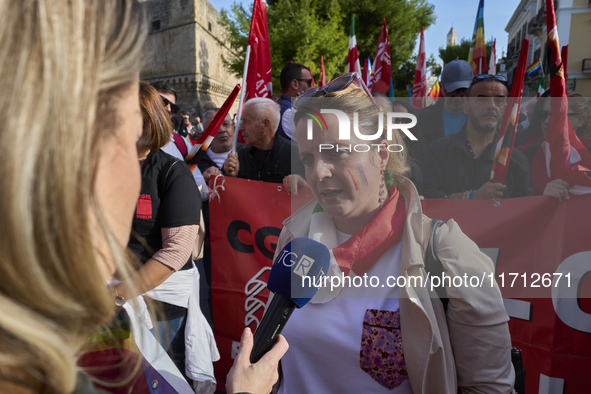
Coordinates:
[70,185]
[375,333]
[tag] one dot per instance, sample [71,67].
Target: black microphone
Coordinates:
[300,265]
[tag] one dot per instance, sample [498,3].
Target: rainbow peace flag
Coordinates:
[477,56]
[534,68]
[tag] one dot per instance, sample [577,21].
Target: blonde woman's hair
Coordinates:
[64,63]
[354,99]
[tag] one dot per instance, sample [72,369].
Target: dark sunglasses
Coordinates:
[488,77]
[308,81]
[173,107]
[339,83]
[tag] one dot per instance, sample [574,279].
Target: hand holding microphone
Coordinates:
[245,377]
[292,280]
[255,367]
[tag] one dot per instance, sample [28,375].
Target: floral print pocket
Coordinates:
[381,355]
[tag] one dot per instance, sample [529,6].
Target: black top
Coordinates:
[277,164]
[449,166]
[169,197]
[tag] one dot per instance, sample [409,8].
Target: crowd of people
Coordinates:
[81,198]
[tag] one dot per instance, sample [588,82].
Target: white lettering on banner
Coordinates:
[252,304]
[565,295]
[382,54]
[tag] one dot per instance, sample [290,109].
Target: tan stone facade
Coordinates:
[185,49]
[573,20]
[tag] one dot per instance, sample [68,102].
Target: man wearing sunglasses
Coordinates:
[447,116]
[295,80]
[459,165]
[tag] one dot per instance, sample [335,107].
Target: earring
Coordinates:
[382,195]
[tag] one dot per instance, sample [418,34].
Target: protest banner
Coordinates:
[530,239]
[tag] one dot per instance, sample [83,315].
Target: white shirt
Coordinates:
[325,338]
[218,158]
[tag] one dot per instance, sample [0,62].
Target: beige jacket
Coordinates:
[471,349]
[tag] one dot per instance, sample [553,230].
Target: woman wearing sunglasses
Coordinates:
[383,336]
[69,77]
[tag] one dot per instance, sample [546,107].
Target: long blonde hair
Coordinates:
[63,61]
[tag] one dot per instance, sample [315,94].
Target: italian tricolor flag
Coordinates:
[353,58]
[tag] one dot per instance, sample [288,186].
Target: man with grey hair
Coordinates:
[268,157]
[217,154]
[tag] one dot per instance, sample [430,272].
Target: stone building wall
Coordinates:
[185,49]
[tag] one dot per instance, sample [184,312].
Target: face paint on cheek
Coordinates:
[361,174]
[353,179]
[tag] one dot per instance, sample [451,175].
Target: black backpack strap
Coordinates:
[432,263]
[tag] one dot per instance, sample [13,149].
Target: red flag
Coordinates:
[564,56]
[258,80]
[202,144]
[382,69]
[569,159]
[322,81]
[365,71]
[492,66]
[510,120]
[353,57]
[311,76]
[419,89]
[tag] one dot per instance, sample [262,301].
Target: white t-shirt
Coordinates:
[218,158]
[325,339]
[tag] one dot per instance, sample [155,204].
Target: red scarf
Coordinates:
[370,243]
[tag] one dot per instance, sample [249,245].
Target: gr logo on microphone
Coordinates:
[302,266]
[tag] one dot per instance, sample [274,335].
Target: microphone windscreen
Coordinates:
[300,265]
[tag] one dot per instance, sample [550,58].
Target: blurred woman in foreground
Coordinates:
[70,185]
[388,338]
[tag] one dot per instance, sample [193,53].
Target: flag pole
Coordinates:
[241,100]
[480,65]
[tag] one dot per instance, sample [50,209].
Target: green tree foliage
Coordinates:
[303,30]
[461,51]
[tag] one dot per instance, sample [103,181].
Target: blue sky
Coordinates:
[460,13]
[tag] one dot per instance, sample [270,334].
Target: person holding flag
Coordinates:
[559,164]
[459,165]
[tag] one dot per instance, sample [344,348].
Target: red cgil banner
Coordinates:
[534,241]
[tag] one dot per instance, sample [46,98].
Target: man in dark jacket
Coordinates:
[459,165]
[446,116]
[268,157]
[295,79]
